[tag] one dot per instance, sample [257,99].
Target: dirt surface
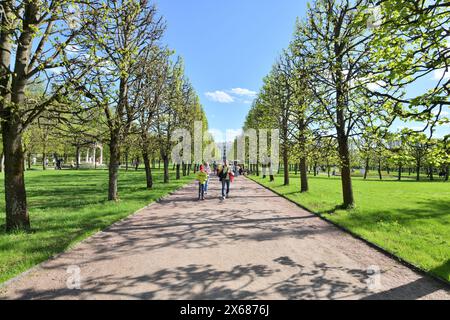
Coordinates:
[254,245]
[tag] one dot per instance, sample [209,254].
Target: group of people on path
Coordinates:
[224,172]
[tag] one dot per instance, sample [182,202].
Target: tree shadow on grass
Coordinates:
[428,210]
[443,270]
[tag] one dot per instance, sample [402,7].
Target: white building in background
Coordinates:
[91,154]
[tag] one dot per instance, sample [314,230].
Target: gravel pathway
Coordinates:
[254,245]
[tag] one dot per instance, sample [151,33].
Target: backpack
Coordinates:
[223,175]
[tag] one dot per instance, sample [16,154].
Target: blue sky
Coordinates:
[229,46]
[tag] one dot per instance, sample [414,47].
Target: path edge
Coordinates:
[358,237]
[57,255]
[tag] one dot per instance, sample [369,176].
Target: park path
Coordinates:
[254,245]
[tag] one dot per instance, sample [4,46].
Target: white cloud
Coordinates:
[217,135]
[220,96]
[442,113]
[228,136]
[439,73]
[243,92]
[73,48]
[239,95]
[56,70]
[231,134]
[374,86]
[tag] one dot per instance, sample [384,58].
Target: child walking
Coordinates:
[208,172]
[202,177]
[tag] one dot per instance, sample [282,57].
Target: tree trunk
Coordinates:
[346,178]
[366,169]
[418,170]
[178,177]
[303,175]
[29,160]
[1,161]
[379,170]
[285,166]
[15,194]
[431,173]
[184,169]
[44,155]
[399,172]
[148,170]
[126,160]
[77,156]
[447,169]
[137,164]
[114,162]
[328,169]
[166,168]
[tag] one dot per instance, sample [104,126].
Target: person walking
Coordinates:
[225,176]
[201,178]
[208,172]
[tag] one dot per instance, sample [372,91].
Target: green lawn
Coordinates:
[68,206]
[410,219]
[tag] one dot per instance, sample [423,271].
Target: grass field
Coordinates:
[68,206]
[410,219]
